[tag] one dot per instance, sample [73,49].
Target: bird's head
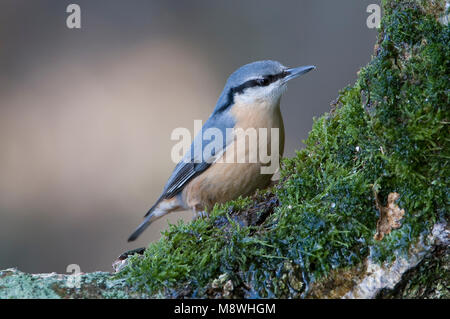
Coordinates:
[262,81]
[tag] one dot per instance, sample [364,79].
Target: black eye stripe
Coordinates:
[251,83]
[267,80]
[275,77]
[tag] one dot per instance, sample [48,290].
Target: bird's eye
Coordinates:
[263,81]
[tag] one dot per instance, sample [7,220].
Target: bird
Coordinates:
[250,100]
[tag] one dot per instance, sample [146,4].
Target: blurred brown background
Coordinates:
[86,115]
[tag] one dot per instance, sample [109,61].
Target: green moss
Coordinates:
[388,133]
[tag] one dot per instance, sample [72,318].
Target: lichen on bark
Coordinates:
[16,284]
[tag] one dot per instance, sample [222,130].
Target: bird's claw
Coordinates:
[201,214]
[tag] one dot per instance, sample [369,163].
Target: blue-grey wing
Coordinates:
[181,175]
[195,161]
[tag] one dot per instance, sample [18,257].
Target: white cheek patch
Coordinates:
[270,93]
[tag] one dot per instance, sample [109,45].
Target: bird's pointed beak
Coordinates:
[296,72]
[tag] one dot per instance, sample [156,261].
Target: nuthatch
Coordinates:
[250,99]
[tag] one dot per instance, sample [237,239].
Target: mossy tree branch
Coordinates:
[313,235]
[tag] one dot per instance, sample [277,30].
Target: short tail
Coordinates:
[143,226]
[149,218]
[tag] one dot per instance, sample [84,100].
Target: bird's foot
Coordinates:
[201,214]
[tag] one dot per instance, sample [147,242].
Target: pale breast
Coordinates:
[227,178]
